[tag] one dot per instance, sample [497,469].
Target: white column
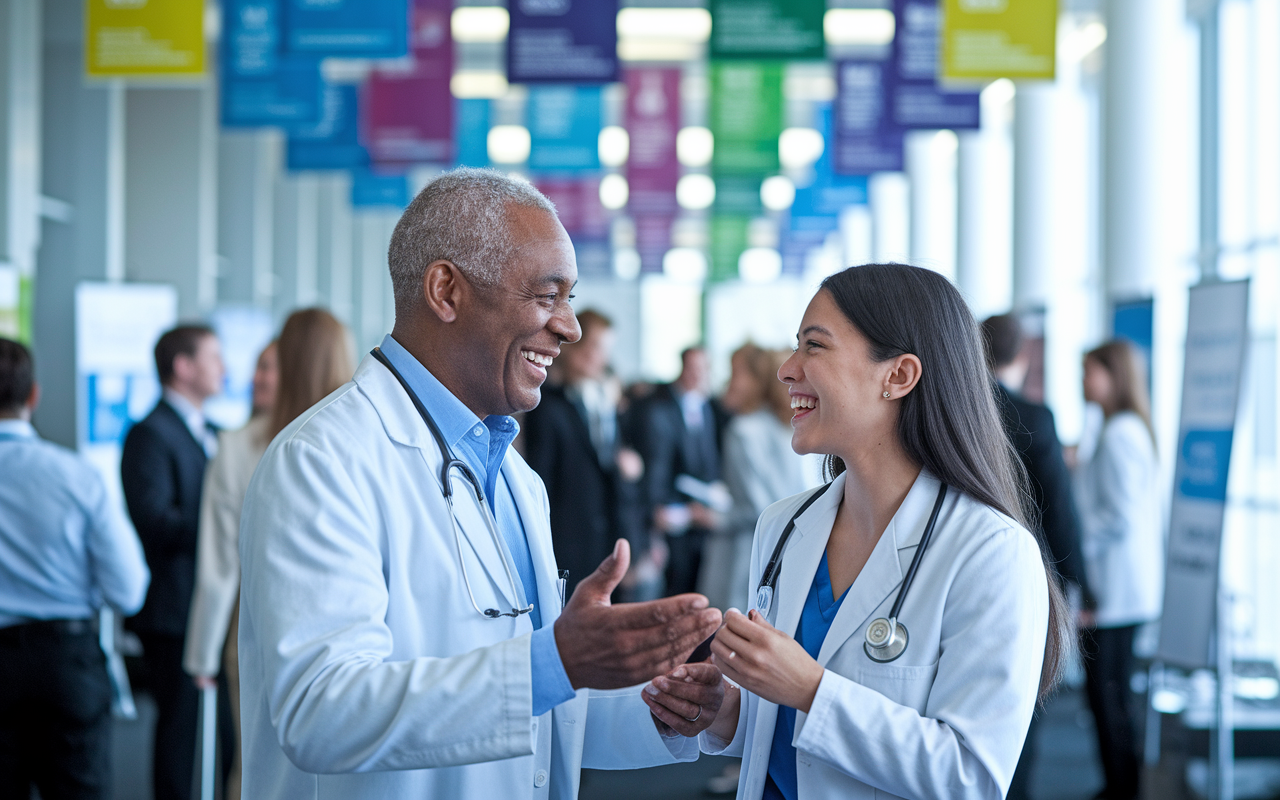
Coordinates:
[371,320]
[931,169]
[296,202]
[171,190]
[334,253]
[247,165]
[890,198]
[1034,207]
[20,44]
[984,206]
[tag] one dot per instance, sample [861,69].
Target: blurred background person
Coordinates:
[759,469]
[162,473]
[573,442]
[312,357]
[65,550]
[1030,427]
[1118,490]
[678,433]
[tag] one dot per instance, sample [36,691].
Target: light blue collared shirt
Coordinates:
[65,547]
[483,446]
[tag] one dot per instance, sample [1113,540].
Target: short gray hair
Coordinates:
[460,217]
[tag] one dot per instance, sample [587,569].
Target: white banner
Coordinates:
[1217,333]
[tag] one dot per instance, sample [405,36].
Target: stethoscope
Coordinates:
[446,485]
[886,638]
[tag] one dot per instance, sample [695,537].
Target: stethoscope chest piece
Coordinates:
[886,640]
[764,600]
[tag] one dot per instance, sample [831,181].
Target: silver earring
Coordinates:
[886,394]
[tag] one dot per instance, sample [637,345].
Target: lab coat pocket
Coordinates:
[905,685]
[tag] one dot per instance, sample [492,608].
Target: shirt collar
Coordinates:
[190,413]
[17,428]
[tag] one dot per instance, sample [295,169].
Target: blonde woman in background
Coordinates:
[1118,493]
[314,357]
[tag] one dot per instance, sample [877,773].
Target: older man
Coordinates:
[401,632]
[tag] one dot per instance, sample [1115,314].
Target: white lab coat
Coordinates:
[1118,489]
[948,718]
[365,670]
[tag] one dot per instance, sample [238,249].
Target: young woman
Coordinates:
[312,357]
[1118,494]
[889,381]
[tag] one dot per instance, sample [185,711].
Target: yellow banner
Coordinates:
[986,39]
[144,38]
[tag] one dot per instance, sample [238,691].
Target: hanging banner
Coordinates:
[1217,333]
[350,28]
[728,243]
[653,240]
[989,40]
[334,142]
[652,122]
[746,117]
[371,189]
[768,29]
[144,38]
[866,140]
[829,193]
[578,206]
[471,132]
[562,41]
[917,101]
[260,85]
[564,128]
[409,108]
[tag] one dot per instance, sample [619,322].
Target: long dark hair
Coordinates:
[949,423]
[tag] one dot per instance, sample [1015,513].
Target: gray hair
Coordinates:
[460,217]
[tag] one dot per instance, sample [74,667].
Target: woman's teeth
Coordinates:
[803,402]
[537,358]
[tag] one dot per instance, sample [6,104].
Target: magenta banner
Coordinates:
[578,206]
[408,106]
[653,240]
[652,121]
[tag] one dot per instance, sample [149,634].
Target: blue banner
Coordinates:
[374,189]
[333,143]
[917,100]
[562,41]
[260,85]
[352,28]
[829,193]
[866,138]
[471,132]
[564,129]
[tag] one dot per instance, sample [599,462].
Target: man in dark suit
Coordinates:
[678,433]
[162,472]
[1031,428]
[572,441]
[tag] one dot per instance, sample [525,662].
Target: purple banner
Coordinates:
[409,108]
[653,240]
[652,121]
[918,101]
[866,140]
[562,41]
[578,205]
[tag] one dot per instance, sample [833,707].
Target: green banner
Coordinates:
[756,29]
[746,117]
[987,39]
[728,241]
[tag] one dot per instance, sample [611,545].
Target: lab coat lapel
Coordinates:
[534,516]
[883,572]
[801,556]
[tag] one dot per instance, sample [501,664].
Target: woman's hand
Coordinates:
[686,700]
[764,660]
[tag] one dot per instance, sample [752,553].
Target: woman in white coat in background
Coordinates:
[1118,492]
[889,380]
[312,357]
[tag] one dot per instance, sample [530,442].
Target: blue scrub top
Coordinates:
[819,612]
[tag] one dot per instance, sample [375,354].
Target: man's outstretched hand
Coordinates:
[603,646]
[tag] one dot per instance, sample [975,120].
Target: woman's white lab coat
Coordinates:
[948,718]
[365,670]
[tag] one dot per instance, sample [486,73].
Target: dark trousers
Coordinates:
[55,714]
[1020,784]
[1108,663]
[684,560]
[178,711]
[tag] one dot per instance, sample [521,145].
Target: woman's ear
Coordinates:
[904,373]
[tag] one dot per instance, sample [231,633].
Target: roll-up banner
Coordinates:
[408,108]
[767,29]
[562,41]
[564,129]
[348,28]
[334,142]
[1217,333]
[988,40]
[917,101]
[261,84]
[746,116]
[652,122]
[159,39]
[866,139]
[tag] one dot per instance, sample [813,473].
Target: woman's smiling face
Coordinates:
[837,390]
